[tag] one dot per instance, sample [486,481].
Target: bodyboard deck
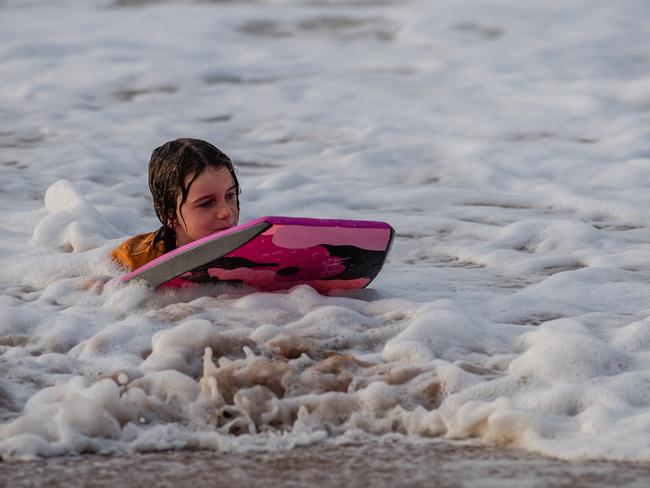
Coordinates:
[273,253]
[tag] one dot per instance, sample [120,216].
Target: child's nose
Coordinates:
[223,211]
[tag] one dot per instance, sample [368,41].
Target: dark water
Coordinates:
[431,464]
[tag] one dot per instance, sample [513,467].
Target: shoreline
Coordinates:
[441,464]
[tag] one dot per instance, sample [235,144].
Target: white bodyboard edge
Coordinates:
[199,256]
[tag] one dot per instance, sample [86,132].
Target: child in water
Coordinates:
[195,193]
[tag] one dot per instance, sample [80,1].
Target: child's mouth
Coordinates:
[218,229]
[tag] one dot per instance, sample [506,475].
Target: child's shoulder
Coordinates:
[139,250]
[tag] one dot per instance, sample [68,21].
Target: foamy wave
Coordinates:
[507,147]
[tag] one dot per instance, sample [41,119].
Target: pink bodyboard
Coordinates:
[273,253]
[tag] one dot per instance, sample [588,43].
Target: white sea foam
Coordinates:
[507,143]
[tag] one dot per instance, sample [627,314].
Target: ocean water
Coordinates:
[507,143]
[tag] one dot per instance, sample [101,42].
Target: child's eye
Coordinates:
[206,204]
[231,196]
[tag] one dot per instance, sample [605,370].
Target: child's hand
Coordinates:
[95,284]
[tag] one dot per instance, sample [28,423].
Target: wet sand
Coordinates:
[439,464]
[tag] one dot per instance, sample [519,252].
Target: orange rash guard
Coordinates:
[139,250]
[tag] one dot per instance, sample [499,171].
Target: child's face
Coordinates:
[211,206]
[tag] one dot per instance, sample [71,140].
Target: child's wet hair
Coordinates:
[169,167]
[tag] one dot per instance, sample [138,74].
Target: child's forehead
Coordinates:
[209,177]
